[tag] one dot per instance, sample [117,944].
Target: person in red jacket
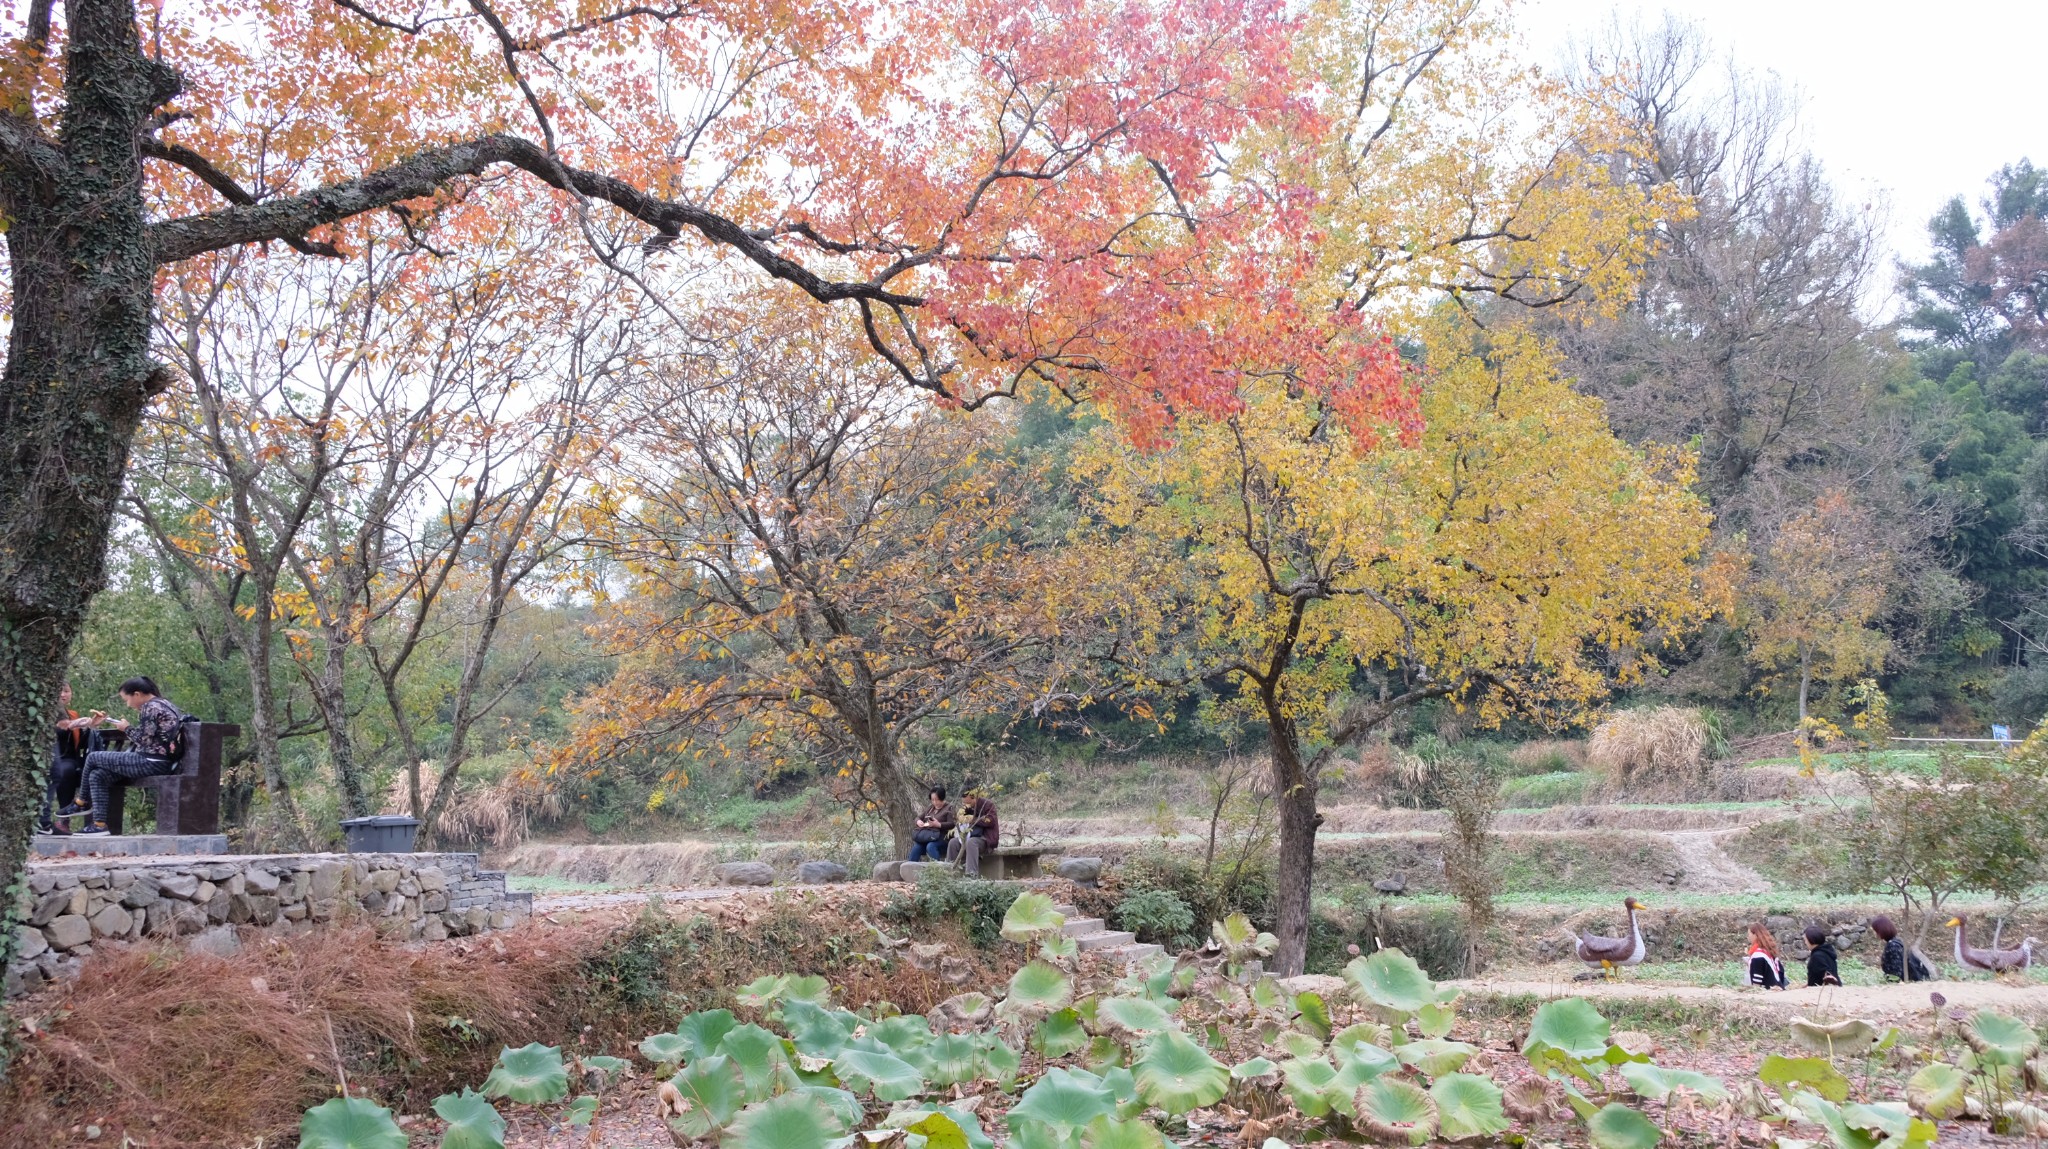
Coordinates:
[977,831]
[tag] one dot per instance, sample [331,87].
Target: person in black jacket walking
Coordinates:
[1820,962]
[1898,963]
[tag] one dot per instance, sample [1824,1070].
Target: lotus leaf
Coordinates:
[701,1032]
[1112,1133]
[712,1092]
[915,1120]
[1434,1056]
[1616,1126]
[1467,1106]
[1295,1043]
[817,1031]
[964,1010]
[350,1123]
[949,1060]
[1063,1100]
[608,1069]
[1391,980]
[762,1061]
[1803,1073]
[532,1075]
[666,1051]
[999,1061]
[888,1077]
[1240,941]
[1315,1016]
[1031,916]
[1395,1111]
[1657,1083]
[1569,1025]
[1851,1038]
[1132,1016]
[900,1034]
[1037,989]
[1059,1034]
[792,1121]
[1310,1082]
[1435,1020]
[473,1123]
[1177,1075]
[581,1111]
[2002,1040]
[1937,1089]
[1254,1069]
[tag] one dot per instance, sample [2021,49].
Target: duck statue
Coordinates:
[1608,953]
[1990,961]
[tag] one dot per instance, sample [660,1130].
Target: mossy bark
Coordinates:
[78,373]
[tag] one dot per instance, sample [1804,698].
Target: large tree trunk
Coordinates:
[77,376]
[1295,786]
[330,693]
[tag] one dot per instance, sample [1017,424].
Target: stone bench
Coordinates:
[188,798]
[1012,863]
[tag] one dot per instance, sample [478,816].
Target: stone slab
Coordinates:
[128,845]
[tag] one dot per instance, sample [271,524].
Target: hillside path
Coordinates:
[1885,1003]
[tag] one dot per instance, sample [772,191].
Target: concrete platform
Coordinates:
[127,845]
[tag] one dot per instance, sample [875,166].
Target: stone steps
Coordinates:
[1091,936]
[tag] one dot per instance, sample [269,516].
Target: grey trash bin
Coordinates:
[381,834]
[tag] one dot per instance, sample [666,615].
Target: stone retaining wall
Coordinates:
[77,904]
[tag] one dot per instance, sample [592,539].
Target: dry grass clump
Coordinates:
[174,1047]
[1389,776]
[1662,748]
[482,813]
[1549,755]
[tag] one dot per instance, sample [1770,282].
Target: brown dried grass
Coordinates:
[1664,749]
[172,1047]
[481,813]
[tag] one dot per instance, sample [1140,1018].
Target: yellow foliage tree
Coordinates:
[1816,586]
[817,562]
[1514,556]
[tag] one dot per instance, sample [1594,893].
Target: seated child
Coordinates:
[1820,962]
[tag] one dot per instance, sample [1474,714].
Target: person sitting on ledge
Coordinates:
[155,742]
[976,833]
[934,825]
[75,738]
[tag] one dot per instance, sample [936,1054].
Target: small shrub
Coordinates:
[1664,747]
[1157,916]
[1541,791]
[1547,756]
[978,906]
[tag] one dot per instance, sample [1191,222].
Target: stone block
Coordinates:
[745,874]
[236,883]
[257,880]
[1085,871]
[29,943]
[187,919]
[433,929]
[433,902]
[476,920]
[183,886]
[217,873]
[502,920]
[383,881]
[372,901]
[140,895]
[220,941]
[818,873]
[55,904]
[322,911]
[911,871]
[205,892]
[92,878]
[327,877]
[217,910]
[41,882]
[21,979]
[294,911]
[137,919]
[120,879]
[158,915]
[262,909]
[394,906]
[408,887]
[297,886]
[68,932]
[112,922]
[432,879]
[885,872]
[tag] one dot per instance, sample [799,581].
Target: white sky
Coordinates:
[1906,103]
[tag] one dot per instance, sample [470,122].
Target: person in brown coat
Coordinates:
[976,832]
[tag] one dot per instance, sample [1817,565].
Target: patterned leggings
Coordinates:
[103,768]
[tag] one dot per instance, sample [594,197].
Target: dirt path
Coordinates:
[1886,1003]
[1708,869]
